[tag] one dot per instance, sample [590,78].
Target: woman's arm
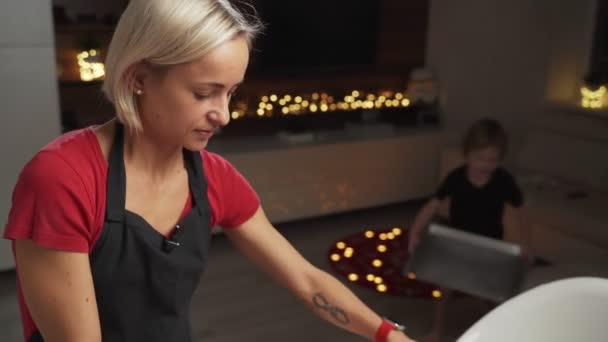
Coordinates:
[321,292]
[59,293]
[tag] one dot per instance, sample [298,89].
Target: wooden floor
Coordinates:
[236,302]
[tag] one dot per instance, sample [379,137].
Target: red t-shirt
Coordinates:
[59,201]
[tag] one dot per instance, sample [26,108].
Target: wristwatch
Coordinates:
[385,328]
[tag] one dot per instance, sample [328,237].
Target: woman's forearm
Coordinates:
[335,303]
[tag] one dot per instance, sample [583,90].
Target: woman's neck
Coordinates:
[152,156]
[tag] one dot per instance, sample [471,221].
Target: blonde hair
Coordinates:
[164,33]
[484,133]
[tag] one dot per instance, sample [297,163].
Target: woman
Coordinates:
[111,224]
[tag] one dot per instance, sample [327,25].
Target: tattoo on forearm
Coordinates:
[338,314]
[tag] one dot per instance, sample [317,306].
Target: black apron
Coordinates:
[144,281]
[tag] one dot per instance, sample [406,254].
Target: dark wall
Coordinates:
[396,45]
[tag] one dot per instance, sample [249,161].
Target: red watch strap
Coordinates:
[383,330]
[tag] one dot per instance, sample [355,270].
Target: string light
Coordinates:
[288,104]
[382,248]
[340,245]
[335,257]
[592,99]
[369,234]
[90,68]
[353,277]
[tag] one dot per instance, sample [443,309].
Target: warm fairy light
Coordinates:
[260,112]
[436,294]
[378,280]
[370,277]
[390,236]
[411,276]
[381,288]
[397,231]
[90,68]
[382,236]
[382,248]
[593,99]
[234,115]
[353,277]
[348,252]
[369,234]
[324,102]
[335,257]
[340,245]
[377,263]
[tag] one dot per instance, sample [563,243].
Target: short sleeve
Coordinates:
[50,206]
[232,199]
[513,193]
[448,185]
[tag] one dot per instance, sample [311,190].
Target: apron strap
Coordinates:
[116,186]
[197,181]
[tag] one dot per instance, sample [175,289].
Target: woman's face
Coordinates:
[185,104]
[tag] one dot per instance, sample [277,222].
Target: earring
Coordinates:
[138,91]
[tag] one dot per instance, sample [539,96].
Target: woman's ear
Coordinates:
[136,75]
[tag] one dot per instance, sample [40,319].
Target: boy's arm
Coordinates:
[517,217]
[423,218]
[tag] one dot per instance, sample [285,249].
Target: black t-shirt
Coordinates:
[479,210]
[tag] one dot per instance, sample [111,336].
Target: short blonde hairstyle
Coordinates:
[164,33]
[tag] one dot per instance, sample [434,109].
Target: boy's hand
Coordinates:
[413,242]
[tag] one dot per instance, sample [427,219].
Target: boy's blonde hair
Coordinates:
[485,133]
[164,33]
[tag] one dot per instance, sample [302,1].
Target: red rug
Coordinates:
[375,259]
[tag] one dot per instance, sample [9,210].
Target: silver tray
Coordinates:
[479,266]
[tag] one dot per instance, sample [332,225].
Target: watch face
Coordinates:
[397,326]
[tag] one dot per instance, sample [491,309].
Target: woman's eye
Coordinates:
[201,96]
